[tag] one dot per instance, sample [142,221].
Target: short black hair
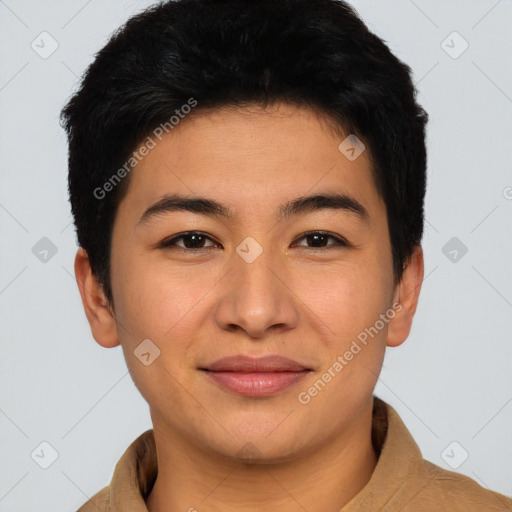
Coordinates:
[216,53]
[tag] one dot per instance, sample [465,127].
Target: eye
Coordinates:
[194,240]
[320,238]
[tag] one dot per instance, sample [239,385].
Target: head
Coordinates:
[251,106]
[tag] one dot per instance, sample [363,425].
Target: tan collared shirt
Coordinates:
[401,482]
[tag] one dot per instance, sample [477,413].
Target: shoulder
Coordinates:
[456,492]
[414,484]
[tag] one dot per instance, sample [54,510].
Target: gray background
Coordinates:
[451,381]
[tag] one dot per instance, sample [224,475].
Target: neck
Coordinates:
[323,480]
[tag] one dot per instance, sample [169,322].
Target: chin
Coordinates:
[261,445]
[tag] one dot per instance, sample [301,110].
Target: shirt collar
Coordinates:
[398,453]
[400,460]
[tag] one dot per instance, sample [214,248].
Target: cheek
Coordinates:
[350,304]
[157,300]
[346,298]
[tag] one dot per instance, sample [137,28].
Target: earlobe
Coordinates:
[96,306]
[407,295]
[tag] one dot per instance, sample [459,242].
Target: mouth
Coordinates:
[255,377]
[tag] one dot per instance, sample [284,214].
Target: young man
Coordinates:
[247,181]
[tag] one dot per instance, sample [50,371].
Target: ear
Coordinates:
[406,294]
[97,308]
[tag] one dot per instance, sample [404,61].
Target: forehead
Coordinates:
[253,159]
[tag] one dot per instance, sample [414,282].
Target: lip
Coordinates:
[247,364]
[255,377]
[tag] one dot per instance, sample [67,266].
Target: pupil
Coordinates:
[316,238]
[194,241]
[191,241]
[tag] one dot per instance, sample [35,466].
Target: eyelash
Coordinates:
[170,242]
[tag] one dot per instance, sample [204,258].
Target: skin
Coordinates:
[305,304]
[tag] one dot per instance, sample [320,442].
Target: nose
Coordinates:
[256,298]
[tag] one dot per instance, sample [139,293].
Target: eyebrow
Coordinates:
[299,206]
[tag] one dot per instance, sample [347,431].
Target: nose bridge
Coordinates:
[255,297]
[255,269]
[256,287]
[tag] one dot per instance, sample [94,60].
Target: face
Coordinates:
[253,278]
